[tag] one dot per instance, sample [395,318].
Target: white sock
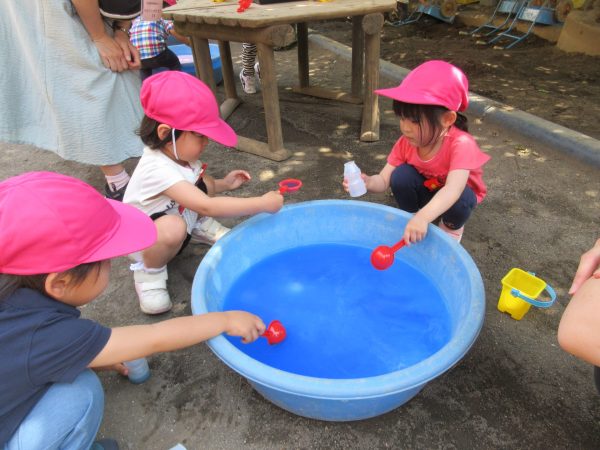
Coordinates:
[118,181]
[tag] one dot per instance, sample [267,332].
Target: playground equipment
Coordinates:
[536,12]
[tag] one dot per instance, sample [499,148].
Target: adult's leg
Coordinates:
[408,189]
[67,417]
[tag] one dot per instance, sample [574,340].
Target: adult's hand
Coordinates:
[130,52]
[111,53]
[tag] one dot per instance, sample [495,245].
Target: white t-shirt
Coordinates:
[154,174]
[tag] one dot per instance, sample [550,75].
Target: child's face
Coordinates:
[91,287]
[190,146]
[418,134]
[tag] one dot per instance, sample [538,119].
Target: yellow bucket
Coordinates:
[520,290]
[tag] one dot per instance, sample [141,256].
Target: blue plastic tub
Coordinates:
[186,58]
[345,223]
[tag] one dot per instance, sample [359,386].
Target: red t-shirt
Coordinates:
[458,151]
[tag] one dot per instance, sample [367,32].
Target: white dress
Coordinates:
[56,94]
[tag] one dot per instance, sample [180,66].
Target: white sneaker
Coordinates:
[207,231]
[257,69]
[152,291]
[248,83]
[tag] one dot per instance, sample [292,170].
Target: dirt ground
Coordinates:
[533,76]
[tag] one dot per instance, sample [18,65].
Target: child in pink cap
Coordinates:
[435,168]
[170,185]
[48,396]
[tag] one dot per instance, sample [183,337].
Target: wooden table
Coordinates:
[270,26]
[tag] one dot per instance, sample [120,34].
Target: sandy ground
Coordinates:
[514,389]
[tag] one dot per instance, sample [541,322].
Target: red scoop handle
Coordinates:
[398,245]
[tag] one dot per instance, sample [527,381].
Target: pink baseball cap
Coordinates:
[185,103]
[432,83]
[51,223]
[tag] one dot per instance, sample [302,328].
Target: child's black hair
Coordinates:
[10,283]
[148,132]
[430,113]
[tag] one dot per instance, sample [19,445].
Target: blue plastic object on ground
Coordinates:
[186,58]
[341,222]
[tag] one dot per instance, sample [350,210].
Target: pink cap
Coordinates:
[185,103]
[170,2]
[433,83]
[51,223]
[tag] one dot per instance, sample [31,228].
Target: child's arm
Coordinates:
[230,182]
[132,342]
[189,196]
[416,228]
[376,183]
[180,37]
[578,331]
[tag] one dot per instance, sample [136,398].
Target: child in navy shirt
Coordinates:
[48,397]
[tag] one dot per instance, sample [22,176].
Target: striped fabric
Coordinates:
[150,36]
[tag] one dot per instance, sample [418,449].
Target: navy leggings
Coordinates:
[411,195]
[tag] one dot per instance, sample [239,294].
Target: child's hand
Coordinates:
[119,368]
[415,230]
[365,178]
[272,201]
[235,179]
[244,324]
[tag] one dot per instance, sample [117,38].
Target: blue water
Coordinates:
[344,319]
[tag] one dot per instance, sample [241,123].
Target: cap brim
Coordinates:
[221,133]
[409,96]
[136,231]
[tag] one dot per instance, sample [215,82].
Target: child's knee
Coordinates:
[172,230]
[404,176]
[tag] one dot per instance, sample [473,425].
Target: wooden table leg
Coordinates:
[274,148]
[204,70]
[203,62]
[302,36]
[371,24]
[358,40]
[231,98]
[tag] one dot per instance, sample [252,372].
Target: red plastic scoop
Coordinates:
[275,332]
[289,185]
[383,256]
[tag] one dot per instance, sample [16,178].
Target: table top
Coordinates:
[257,16]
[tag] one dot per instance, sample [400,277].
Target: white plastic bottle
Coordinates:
[356,185]
[138,370]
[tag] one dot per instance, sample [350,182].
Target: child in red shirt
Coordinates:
[435,168]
